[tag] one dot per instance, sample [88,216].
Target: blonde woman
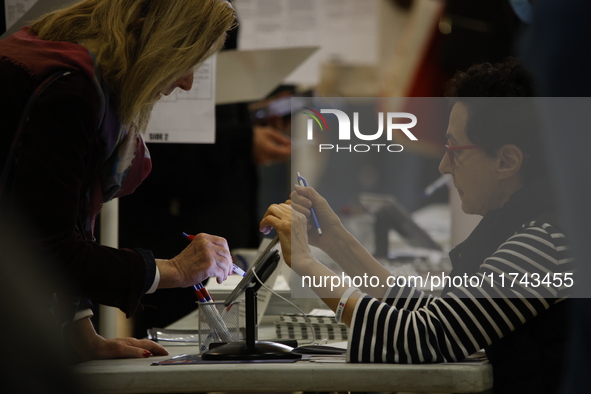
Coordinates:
[78,87]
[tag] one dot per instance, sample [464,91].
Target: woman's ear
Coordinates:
[510,158]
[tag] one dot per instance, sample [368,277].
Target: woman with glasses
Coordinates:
[78,88]
[506,296]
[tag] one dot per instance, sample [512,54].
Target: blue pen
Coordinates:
[303,183]
[235,268]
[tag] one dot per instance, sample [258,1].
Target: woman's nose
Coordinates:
[186,83]
[445,165]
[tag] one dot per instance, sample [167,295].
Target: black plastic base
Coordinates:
[262,350]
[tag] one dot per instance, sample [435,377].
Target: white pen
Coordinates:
[238,270]
[443,180]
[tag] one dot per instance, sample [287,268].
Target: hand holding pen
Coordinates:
[219,329]
[206,256]
[235,268]
[303,183]
[302,199]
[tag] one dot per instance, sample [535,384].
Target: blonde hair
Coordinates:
[141,46]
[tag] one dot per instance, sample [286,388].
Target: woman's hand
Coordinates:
[291,227]
[91,346]
[304,198]
[102,348]
[270,145]
[206,255]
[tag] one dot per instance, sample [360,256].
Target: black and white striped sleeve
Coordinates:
[412,327]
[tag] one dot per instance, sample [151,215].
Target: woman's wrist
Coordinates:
[168,274]
[336,241]
[303,264]
[83,338]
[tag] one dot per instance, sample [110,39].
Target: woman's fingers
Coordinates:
[128,348]
[276,216]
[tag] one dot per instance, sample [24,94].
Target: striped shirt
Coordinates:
[528,273]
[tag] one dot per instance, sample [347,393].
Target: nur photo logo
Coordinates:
[348,131]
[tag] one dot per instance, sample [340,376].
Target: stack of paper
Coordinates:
[292,326]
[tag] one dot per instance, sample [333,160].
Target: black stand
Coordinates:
[251,349]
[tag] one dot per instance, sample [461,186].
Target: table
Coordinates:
[139,376]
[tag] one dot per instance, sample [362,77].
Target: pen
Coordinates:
[202,292]
[438,184]
[235,268]
[219,330]
[199,295]
[206,294]
[303,183]
[218,326]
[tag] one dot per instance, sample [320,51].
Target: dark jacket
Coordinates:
[58,161]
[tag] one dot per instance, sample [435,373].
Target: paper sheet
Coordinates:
[187,117]
[14,9]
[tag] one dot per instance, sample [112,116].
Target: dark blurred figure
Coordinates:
[557,48]
[476,32]
[32,359]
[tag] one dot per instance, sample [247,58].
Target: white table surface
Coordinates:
[139,376]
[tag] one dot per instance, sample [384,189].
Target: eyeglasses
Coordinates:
[452,149]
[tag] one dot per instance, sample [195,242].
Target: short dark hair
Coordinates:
[494,123]
[507,79]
